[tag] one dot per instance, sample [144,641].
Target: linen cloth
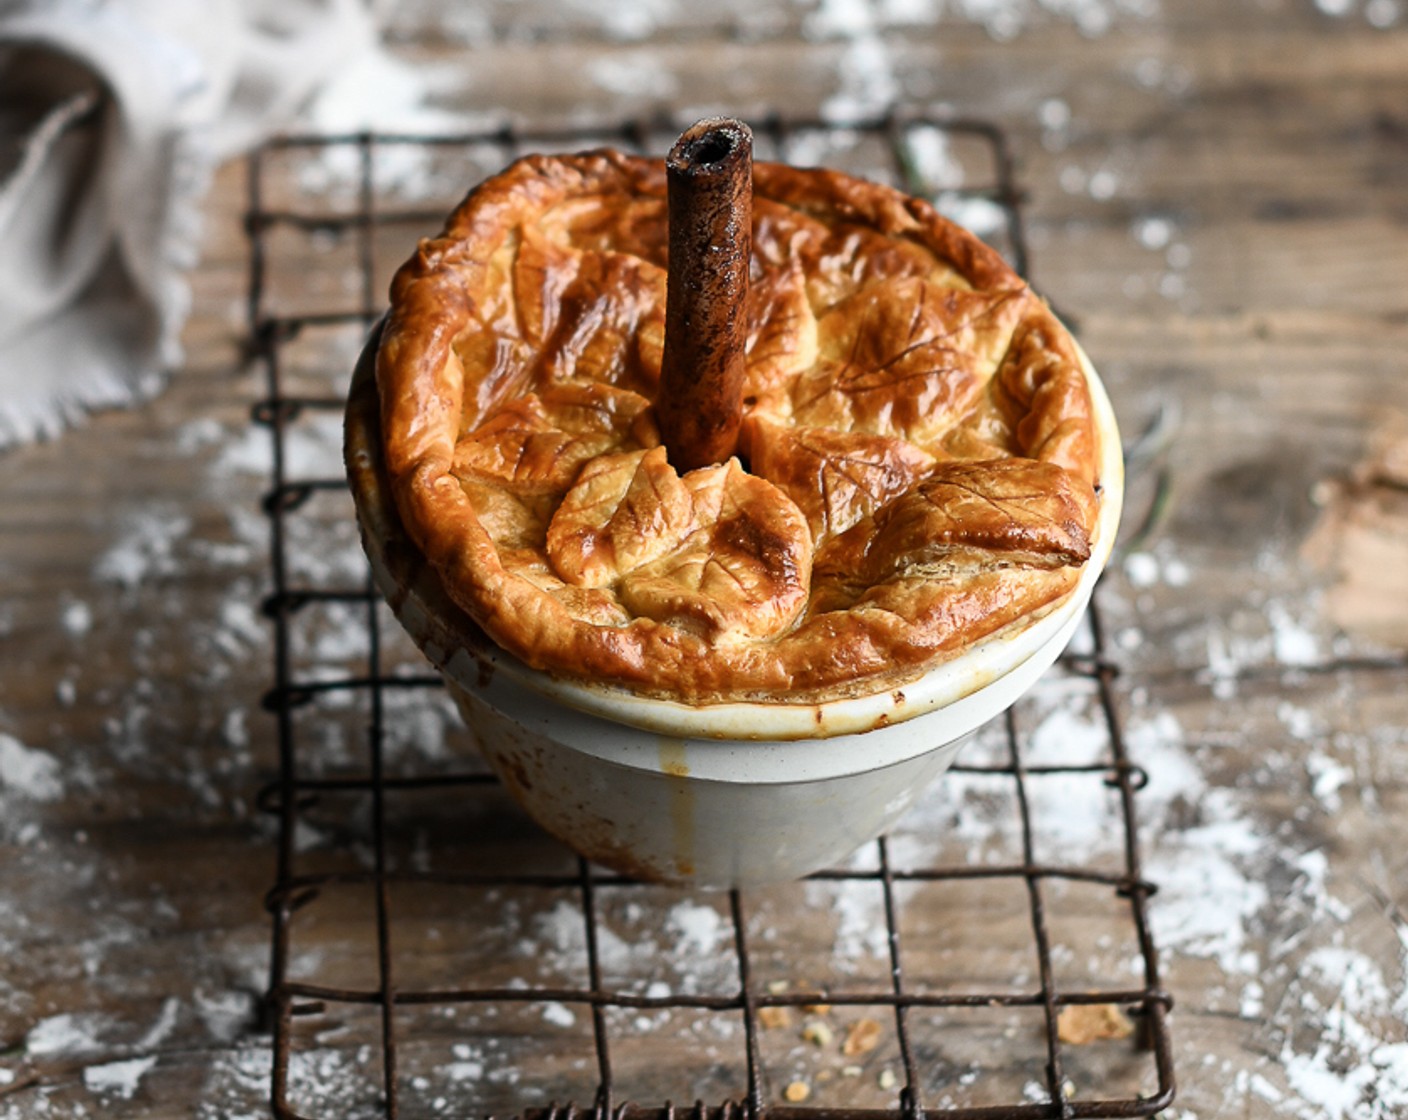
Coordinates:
[113,113]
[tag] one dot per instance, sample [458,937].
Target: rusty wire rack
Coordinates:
[416,903]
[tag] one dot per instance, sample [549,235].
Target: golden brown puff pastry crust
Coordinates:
[918,452]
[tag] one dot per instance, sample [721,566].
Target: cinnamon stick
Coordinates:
[710,190]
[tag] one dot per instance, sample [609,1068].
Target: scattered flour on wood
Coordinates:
[698,927]
[311,449]
[1357,1066]
[69,1034]
[378,92]
[1293,642]
[560,940]
[1002,19]
[1328,776]
[118,1079]
[558,1014]
[76,618]
[642,76]
[165,1024]
[28,772]
[1208,890]
[627,22]
[1383,14]
[865,70]
[322,1082]
[226,1015]
[146,548]
[1263,903]
[858,908]
[468,1064]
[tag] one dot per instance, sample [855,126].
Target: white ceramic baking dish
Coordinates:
[715,795]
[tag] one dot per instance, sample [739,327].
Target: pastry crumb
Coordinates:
[774,1018]
[887,1079]
[797,1091]
[862,1037]
[817,1033]
[1083,1023]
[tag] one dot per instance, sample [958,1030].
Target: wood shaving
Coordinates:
[1084,1023]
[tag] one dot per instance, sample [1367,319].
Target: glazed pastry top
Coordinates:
[916,468]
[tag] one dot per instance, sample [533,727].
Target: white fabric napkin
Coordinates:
[112,115]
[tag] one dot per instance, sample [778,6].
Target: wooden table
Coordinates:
[1217,198]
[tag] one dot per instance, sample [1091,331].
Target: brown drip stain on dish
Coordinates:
[676,769]
[597,840]
[485,675]
[672,758]
[517,772]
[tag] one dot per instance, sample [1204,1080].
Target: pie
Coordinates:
[917,464]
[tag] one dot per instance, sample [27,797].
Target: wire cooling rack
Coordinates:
[434,955]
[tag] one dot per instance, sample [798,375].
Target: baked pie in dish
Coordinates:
[917,467]
[727,500]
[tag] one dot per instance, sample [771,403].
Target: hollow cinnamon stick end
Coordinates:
[714,147]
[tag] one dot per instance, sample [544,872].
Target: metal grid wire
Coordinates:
[404,1022]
